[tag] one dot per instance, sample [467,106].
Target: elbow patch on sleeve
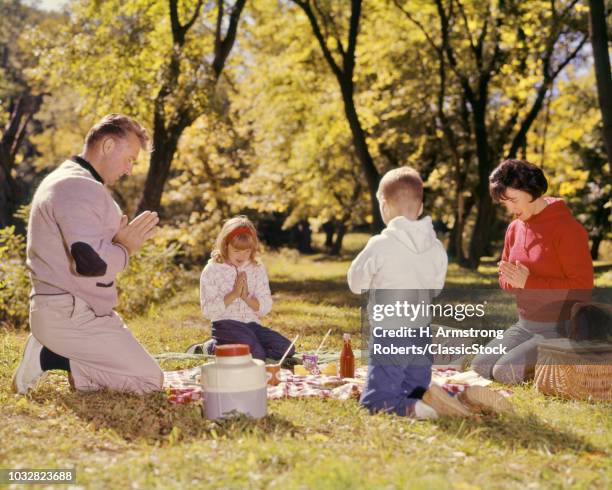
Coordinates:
[88,262]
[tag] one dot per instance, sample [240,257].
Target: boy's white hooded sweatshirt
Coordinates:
[406,255]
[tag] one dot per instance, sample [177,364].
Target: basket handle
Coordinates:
[576,307]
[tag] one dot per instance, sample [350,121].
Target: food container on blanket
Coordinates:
[234,383]
[310,362]
[273,374]
[330,369]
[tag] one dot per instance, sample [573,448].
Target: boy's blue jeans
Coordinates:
[396,382]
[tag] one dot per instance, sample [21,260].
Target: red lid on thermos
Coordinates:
[231,350]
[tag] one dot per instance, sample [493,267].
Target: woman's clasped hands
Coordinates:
[514,274]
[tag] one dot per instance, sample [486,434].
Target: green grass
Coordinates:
[122,441]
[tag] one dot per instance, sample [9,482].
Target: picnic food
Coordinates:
[300,370]
[310,362]
[273,374]
[330,369]
[235,382]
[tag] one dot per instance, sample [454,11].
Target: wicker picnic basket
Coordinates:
[576,370]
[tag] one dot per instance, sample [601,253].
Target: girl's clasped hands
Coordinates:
[241,287]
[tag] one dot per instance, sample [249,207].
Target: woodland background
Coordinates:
[290,111]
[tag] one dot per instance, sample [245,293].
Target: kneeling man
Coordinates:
[78,241]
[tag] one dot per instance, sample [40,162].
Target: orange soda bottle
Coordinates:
[347,358]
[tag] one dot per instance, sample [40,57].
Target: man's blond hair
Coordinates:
[401,186]
[118,125]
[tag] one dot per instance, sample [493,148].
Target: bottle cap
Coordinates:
[231,350]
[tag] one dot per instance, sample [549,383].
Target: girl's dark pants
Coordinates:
[263,342]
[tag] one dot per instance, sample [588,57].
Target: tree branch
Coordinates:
[12,126]
[477,55]
[224,46]
[178,36]
[179,30]
[305,6]
[483,32]
[20,136]
[329,22]
[349,59]
[497,50]
[539,100]
[417,23]
[570,57]
[15,130]
[444,27]
[189,24]
[567,9]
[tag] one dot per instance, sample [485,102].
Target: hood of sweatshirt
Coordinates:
[556,210]
[546,223]
[417,236]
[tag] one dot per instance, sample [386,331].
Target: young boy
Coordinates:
[408,258]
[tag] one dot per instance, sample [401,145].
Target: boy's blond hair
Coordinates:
[240,233]
[402,187]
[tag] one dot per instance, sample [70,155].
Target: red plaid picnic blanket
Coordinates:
[184,386]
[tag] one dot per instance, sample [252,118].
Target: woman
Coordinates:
[546,254]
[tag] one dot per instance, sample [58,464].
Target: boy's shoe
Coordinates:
[29,371]
[194,348]
[422,411]
[485,400]
[207,348]
[444,404]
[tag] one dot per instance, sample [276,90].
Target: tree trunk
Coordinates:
[452,248]
[7,198]
[337,246]
[601,225]
[164,143]
[302,236]
[328,228]
[599,40]
[596,242]
[14,133]
[480,235]
[363,154]
[455,238]
[459,227]
[462,208]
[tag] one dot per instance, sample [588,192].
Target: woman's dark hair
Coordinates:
[517,174]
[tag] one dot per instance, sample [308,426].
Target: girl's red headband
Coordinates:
[241,230]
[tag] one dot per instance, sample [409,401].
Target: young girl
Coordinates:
[235,293]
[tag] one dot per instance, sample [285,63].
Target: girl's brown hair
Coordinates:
[240,233]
